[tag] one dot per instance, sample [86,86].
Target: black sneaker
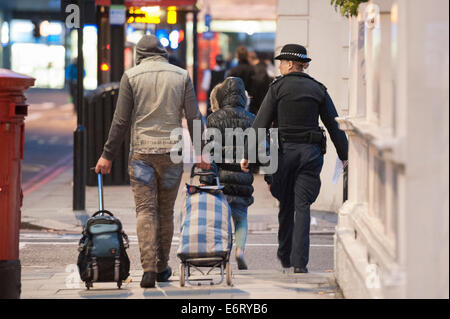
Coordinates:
[148,279]
[164,275]
[285,262]
[300,270]
[242,265]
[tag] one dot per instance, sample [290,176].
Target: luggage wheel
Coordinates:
[182,275]
[228,273]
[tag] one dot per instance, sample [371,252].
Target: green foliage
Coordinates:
[348,8]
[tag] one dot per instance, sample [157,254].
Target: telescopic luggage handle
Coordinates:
[213,171]
[103,212]
[100,190]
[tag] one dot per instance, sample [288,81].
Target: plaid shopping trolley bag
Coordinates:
[206,231]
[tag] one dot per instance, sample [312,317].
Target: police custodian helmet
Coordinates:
[293,52]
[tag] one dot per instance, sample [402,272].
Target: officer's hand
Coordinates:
[103,166]
[244,165]
[344,164]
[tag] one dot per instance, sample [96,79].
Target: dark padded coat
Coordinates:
[231,99]
[244,71]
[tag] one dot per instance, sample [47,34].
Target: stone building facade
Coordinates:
[392,96]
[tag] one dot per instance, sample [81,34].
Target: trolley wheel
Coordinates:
[228,272]
[119,284]
[182,274]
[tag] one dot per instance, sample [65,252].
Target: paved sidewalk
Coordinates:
[52,283]
[50,207]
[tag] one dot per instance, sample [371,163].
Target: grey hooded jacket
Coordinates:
[152,98]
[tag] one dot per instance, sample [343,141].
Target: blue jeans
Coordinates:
[239,215]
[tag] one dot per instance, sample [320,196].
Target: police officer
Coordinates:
[294,103]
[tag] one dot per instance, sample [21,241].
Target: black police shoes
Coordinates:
[164,275]
[148,279]
[300,270]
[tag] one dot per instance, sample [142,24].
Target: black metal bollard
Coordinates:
[98,113]
[79,168]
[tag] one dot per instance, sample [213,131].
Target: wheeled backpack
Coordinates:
[102,248]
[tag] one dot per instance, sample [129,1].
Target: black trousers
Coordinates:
[296,184]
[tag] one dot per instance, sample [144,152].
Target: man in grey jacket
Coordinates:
[152,98]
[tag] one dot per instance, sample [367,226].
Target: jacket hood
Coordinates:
[231,92]
[149,46]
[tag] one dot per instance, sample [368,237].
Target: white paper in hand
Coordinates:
[337,171]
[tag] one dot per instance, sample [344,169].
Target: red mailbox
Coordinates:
[13,110]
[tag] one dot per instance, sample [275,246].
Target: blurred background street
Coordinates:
[49,135]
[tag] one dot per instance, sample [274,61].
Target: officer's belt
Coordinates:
[312,137]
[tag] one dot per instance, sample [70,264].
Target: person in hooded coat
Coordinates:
[228,100]
[153,96]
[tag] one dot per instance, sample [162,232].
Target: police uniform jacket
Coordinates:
[294,103]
